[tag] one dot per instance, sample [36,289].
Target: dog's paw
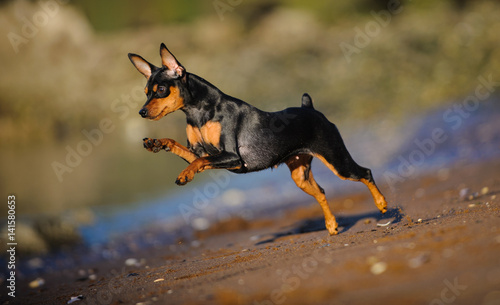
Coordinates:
[331,226]
[185,176]
[381,204]
[151,144]
[154,145]
[333,232]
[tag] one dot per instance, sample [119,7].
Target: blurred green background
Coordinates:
[67,70]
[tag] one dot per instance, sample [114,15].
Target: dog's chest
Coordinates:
[205,136]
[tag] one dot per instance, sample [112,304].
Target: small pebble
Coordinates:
[419,220]
[367,221]
[474,195]
[418,261]
[37,262]
[131,262]
[37,283]
[378,268]
[383,224]
[170,291]
[76,299]
[200,223]
[159,280]
[484,190]
[463,193]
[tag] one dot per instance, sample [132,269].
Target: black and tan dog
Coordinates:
[226,133]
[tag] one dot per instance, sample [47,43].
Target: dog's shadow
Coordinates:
[345,223]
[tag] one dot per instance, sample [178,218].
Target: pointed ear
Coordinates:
[142,65]
[170,62]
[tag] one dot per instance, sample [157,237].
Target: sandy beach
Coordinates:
[439,243]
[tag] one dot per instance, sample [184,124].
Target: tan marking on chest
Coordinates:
[207,134]
[193,135]
[211,132]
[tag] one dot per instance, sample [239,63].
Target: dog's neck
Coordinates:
[200,100]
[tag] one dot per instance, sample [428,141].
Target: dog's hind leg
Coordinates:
[300,168]
[336,157]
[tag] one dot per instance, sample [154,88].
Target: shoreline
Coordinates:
[430,242]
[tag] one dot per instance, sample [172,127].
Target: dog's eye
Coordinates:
[162,89]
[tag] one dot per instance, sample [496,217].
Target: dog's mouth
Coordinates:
[156,118]
[162,113]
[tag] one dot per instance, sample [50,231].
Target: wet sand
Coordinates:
[439,243]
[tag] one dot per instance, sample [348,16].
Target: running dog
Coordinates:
[224,132]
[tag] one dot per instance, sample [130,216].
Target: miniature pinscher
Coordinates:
[224,132]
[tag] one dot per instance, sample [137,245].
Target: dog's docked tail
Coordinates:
[307,101]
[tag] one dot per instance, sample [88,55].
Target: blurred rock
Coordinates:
[57,233]
[29,241]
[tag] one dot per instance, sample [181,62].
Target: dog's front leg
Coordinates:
[224,160]
[155,145]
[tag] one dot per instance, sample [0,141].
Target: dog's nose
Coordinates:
[143,112]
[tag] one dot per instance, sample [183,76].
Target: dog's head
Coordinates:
[165,84]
